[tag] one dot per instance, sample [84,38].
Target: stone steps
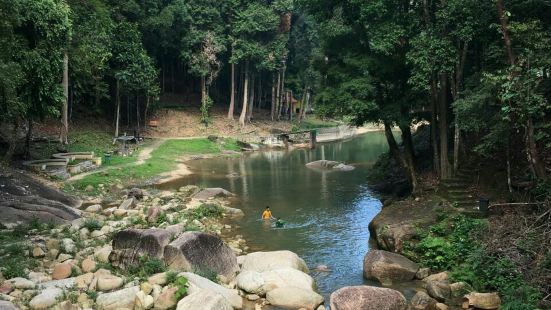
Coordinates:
[457,191]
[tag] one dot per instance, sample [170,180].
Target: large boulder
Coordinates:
[367,298]
[294,298]
[23,199]
[260,283]
[205,300]
[131,244]
[121,299]
[6,305]
[198,283]
[487,301]
[46,299]
[196,251]
[388,267]
[329,165]
[287,277]
[208,193]
[397,223]
[422,301]
[266,261]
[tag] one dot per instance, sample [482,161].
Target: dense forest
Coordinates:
[479,72]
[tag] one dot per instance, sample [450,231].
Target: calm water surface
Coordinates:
[327,213]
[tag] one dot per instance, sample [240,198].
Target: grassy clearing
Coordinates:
[163,159]
[313,123]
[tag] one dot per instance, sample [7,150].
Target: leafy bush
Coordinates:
[207,210]
[92,224]
[13,268]
[207,273]
[181,283]
[147,267]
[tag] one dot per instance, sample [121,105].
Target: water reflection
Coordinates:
[327,213]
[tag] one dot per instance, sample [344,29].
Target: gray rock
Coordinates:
[120,299]
[129,203]
[367,298]
[22,283]
[198,250]
[205,300]
[199,283]
[93,208]
[46,298]
[62,284]
[211,193]
[6,305]
[294,298]
[131,244]
[488,301]
[23,199]
[439,290]
[265,261]
[329,165]
[422,273]
[388,267]
[251,282]
[422,301]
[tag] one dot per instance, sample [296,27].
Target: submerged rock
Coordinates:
[208,193]
[367,298]
[388,267]
[329,165]
[201,251]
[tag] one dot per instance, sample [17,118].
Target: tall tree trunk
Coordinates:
[232,94]
[457,85]
[63,139]
[251,100]
[259,92]
[138,112]
[118,99]
[400,160]
[504,21]
[172,79]
[28,138]
[533,155]
[145,111]
[273,104]
[306,103]
[302,103]
[282,92]
[278,94]
[128,111]
[13,141]
[163,69]
[243,115]
[443,128]
[434,128]
[409,155]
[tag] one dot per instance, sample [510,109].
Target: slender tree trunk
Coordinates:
[232,94]
[172,79]
[145,111]
[163,75]
[409,156]
[13,142]
[282,91]
[508,154]
[504,21]
[456,89]
[251,100]
[400,160]
[306,103]
[278,96]
[63,139]
[443,129]
[28,138]
[138,111]
[273,104]
[128,111]
[533,155]
[118,99]
[243,115]
[302,103]
[259,92]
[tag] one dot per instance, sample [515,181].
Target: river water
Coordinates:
[327,213]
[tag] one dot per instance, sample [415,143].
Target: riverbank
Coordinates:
[470,252]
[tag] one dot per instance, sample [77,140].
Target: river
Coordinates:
[327,213]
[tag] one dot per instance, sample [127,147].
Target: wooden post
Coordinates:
[313,138]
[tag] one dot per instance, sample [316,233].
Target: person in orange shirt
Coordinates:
[267,214]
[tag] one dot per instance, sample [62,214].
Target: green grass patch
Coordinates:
[163,159]
[313,123]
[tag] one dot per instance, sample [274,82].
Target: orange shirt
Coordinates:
[267,214]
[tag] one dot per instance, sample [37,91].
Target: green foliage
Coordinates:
[147,267]
[445,244]
[206,273]
[92,224]
[181,283]
[93,295]
[207,210]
